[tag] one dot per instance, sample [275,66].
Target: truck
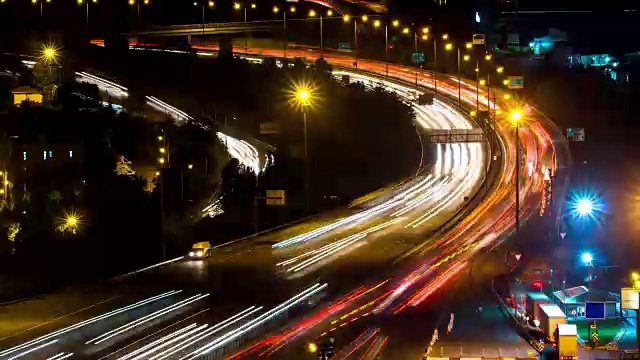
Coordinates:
[567,340]
[533,300]
[550,317]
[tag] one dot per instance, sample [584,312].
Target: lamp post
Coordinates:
[304,100]
[516,118]
[40,2]
[210,3]
[312,14]
[137,3]
[238,6]
[86,3]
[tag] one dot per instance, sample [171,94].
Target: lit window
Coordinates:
[24,155]
[50,154]
[70,154]
[44,155]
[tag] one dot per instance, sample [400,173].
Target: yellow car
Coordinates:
[200,250]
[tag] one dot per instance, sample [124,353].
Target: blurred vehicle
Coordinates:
[200,250]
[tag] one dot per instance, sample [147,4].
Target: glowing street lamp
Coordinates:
[425,30]
[312,347]
[445,36]
[292,9]
[376,23]
[468,45]
[312,13]
[303,98]
[586,258]
[500,69]
[466,57]
[275,9]
[487,57]
[516,118]
[395,23]
[237,6]
[405,30]
[49,54]
[483,82]
[448,47]
[346,18]
[507,96]
[505,82]
[365,18]
[329,12]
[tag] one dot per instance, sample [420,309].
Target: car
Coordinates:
[200,250]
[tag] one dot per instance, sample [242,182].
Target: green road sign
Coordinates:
[516,82]
[570,132]
[417,57]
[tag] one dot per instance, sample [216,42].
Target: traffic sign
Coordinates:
[516,82]
[595,310]
[275,197]
[417,57]
[578,134]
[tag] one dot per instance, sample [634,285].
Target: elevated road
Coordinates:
[267,270]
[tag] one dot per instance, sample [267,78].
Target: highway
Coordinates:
[206,306]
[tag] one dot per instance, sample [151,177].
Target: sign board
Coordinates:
[269,128]
[516,82]
[629,299]
[344,46]
[575,134]
[478,39]
[578,134]
[417,57]
[275,197]
[595,310]
[425,99]
[513,39]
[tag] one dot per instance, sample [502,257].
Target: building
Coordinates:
[25,93]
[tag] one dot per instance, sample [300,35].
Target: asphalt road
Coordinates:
[246,274]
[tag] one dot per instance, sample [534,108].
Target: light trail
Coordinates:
[103,84]
[60,356]
[154,315]
[246,153]
[222,340]
[178,115]
[208,332]
[88,322]
[33,349]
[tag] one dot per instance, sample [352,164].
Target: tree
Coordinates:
[123,167]
[44,79]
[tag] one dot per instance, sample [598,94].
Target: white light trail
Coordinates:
[179,115]
[60,356]
[146,318]
[33,349]
[87,322]
[222,340]
[104,84]
[210,331]
[165,341]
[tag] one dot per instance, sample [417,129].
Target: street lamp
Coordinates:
[587,258]
[445,36]
[41,2]
[395,23]
[312,14]
[468,45]
[487,57]
[516,119]
[303,98]
[210,3]
[365,18]
[137,3]
[86,3]
[500,69]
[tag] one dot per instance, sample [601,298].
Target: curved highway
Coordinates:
[256,284]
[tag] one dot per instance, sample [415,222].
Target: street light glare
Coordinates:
[329,12]
[292,9]
[448,47]
[275,9]
[405,30]
[467,57]
[587,258]
[376,23]
[445,36]
[468,45]
[425,37]
[237,6]
[346,18]
[516,116]
[487,57]
[584,207]
[312,13]
[500,69]
[395,23]
[49,54]
[365,18]
[312,347]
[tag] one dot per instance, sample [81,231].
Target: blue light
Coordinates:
[586,258]
[585,205]
[477,17]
